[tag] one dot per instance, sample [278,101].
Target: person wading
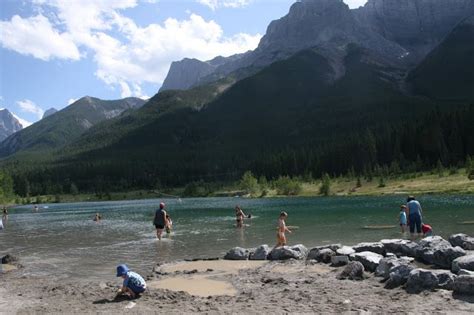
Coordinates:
[160,220]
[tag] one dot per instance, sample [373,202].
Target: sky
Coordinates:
[53,52]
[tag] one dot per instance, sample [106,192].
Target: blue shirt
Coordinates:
[403,217]
[134,280]
[414,207]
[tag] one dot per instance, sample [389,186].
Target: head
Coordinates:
[283,215]
[122,270]
[167,216]
[162,205]
[410,198]
[403,208]
[237,208]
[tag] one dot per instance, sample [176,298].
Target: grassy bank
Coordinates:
[415,183]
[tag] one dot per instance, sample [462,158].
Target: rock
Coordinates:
[337,261]
[445,253]
[400,247]
[387,263]
[376,247]
[9,259]
[464,272]
[237,253]
[345,250]
[423,279]
[398,275]
[420,280]
[353,271]
[464,262]
[464,285]
[333,247]
[260,253]
[282,253]
[462,240]
[370,260]
[321,255]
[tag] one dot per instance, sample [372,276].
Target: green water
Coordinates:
[62,239]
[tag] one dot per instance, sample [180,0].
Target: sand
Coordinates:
[239,287]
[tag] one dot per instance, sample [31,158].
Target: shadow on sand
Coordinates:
[117,299]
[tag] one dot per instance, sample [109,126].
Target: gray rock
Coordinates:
[398,275]
[321,255]
[237,253]
[8,124]
[464,262]
[353,271]
[387,263]
[333,247]
[285,252]
[370,260]
[444,256]
[337,261]
[345,250]
[423,279]
[9,259]
[376,247]
[400,247]
[464,272]
[260,253]
[464,285]
[445,253]
[462,240]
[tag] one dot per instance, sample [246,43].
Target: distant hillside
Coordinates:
[448,71]
[57,130]
[8,124]
[49,112]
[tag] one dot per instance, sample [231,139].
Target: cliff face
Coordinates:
[401,31]
[8,124]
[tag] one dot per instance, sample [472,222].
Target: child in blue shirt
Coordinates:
[133,283]
[403,218]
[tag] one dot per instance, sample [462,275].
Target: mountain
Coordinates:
[56,130]
[402,31]
[8,124]
[441,78]
[49,112]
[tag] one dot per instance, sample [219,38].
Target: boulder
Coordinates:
[9,259]
[286,252]
[464,285]
[333,247]
[353,271]
[400,247]
[376,247]
[260,253]
[445,253]
[237,253]
[321,255]
[464,262]
[345,250]
[462,240]
[398,275]
[464,272]
[423,279]
[387,263]
[337,261]
[370,260]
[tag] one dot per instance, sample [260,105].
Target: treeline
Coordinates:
[437,139]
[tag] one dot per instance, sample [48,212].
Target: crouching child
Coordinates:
[133,283]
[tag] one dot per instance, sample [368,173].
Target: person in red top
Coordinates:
[427,230]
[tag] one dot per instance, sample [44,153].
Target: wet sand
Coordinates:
[239,287]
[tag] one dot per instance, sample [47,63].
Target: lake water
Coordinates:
[62,240]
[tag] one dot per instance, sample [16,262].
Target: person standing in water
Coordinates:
[5,214]
[402,217]
[414,216]
[160,220]
[282,228]
[239,216]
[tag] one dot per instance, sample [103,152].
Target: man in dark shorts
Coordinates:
[160,221]
[414,216]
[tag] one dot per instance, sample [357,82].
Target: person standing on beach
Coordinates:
[282,228]
[414,216]
[160,220]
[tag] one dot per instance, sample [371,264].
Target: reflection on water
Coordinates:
[63,240]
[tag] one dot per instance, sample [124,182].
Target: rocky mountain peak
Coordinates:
[8,124]
[49,112]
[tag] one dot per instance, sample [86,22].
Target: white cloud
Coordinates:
[126,55]
[28,106]
[216,4]
[36,36]
[71,100]
[355,3]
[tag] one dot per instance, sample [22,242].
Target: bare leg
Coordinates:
[130,293]
[158,233]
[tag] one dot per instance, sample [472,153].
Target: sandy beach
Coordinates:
[227,287]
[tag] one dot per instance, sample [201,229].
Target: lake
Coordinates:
[63,241]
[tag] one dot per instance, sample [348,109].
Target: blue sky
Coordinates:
[53,52]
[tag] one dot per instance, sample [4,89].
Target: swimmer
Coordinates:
[239,216]
[282,228]
[97,217]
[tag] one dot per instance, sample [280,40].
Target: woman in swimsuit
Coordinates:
[239,216]
[281,238]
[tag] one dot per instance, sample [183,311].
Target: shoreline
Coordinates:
[290,279]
